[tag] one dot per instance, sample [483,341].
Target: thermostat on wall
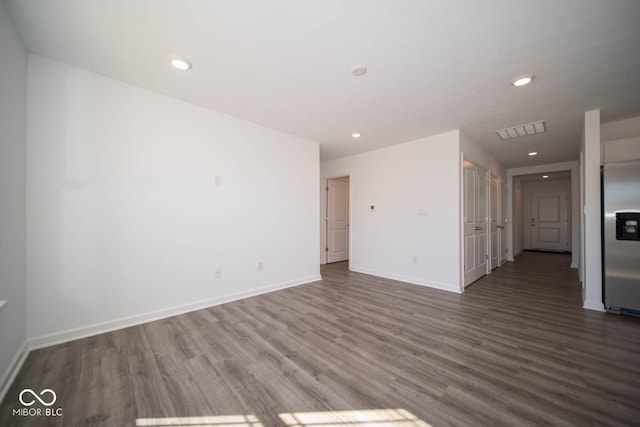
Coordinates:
[372,208]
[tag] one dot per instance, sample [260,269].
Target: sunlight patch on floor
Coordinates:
[209,421]
[357,418]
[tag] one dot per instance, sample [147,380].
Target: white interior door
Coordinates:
[504,249]
[494,215]
[469,221]
[482,212]
[337,219]
[474,220]
[549,223]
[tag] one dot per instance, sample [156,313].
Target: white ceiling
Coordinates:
[434,66]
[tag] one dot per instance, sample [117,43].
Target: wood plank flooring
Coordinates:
[516,349]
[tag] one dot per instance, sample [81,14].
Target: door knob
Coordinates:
[478,228]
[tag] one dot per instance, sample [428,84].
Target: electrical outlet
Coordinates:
[218,273]
[218,181]
[415,259]
[260,266]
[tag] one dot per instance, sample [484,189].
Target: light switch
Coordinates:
[423,212]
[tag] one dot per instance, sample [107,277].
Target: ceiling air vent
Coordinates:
[522,130]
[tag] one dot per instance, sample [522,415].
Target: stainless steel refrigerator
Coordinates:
[621,236]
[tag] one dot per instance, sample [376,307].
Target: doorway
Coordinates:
[545,212]
[337,248]
[520,181]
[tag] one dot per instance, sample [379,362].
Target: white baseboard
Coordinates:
[574,265]
[12,370]
[593,305]
[125,322]
[413,281]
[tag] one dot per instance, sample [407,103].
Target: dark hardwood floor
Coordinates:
[515,349]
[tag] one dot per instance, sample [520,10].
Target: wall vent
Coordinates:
[522,130]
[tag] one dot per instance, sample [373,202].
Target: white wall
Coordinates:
[592,267]
[125,222]
[620,129]
[13,87]
[621,140]
[472,151]
[401,181]
[531,188]
[620,150]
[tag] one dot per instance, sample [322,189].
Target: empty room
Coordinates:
[319,213]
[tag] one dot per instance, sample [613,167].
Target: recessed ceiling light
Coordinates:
[545,176]
[181,64]
[355,135]
[359,70]
[533,153]
[522,81]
